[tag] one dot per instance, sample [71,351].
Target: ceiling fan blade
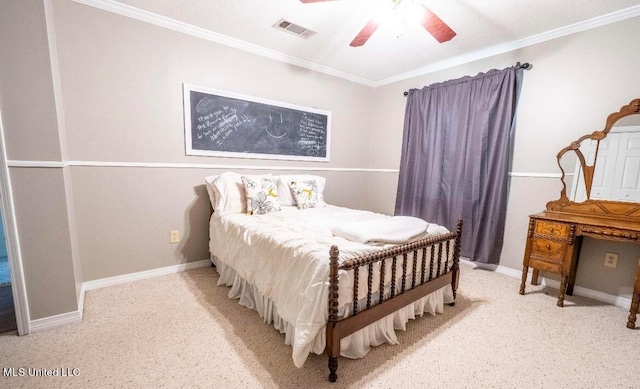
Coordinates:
[435,26]
[365,33]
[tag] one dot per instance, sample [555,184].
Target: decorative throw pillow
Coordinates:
[306,194]
[284,191]
[262,195]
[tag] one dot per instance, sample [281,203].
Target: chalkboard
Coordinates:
[226,124]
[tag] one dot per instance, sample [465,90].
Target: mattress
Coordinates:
[278,264]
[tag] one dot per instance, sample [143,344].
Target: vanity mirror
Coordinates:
[607,170]
[615,176]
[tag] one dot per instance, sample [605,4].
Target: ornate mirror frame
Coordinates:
[603,208]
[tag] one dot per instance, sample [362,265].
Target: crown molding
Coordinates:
[172,24]
[589,24]
[175,25]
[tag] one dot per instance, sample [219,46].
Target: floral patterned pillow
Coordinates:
[306,194]
[262,195]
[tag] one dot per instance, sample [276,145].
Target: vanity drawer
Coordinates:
[548,248]
[550,228]
[544,265]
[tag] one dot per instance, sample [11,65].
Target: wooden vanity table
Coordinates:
[555,236]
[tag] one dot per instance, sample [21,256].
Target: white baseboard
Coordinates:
[55,321]
[76,316]
[117,280]
[618,301]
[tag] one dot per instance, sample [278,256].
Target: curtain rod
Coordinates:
[525,66]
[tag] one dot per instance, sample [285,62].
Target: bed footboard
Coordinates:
[428,274]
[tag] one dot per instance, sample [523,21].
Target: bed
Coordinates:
[333,280]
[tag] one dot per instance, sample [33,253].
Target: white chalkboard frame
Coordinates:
[191,150]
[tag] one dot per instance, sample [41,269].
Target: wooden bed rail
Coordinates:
[438,275]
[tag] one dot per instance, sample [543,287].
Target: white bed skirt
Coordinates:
[356,345]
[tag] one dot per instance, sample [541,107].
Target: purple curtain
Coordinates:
[456,157]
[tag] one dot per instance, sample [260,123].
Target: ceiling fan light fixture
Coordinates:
[409,12]
[382,12]
[400,13]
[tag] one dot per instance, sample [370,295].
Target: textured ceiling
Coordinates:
[482,26]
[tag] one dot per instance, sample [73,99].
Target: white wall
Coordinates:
[575,82]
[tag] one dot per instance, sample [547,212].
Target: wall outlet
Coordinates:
[611,259]
[174,236]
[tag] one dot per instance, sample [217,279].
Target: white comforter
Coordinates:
[284,256]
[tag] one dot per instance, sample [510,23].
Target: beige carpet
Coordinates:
[181,331]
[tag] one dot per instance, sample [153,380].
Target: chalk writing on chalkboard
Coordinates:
[226,124]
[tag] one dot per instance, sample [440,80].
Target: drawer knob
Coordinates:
[551,230]
[548,247]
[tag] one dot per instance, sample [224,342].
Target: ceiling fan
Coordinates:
[424,16]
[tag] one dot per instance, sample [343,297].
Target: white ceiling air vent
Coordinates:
[294,29]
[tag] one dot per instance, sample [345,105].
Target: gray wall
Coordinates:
[119,100]
[126,107]
[575,82]
[29,112]
[30,126]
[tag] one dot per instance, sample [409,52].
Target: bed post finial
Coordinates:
[333,344]
[455,268]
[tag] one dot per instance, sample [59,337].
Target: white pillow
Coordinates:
[306,194]
[286,197]
[261,193]
[229,195]
[209,184]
